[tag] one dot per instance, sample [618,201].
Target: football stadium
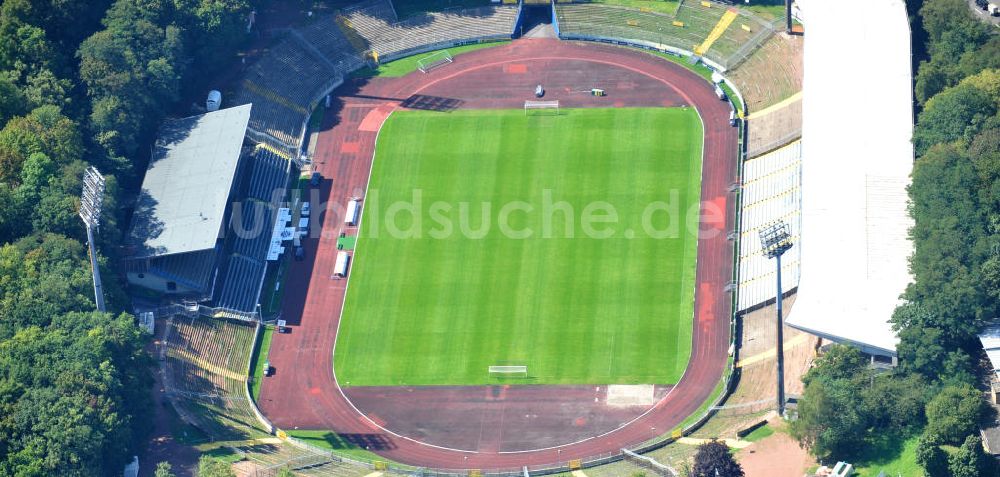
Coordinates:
[524,237]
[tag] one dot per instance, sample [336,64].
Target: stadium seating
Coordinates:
[249,232]
[268,173]
[584,20]
[192,270]
[204,369]
[771,191]
[772,73]
[282,86]
[241,283]
[375,23]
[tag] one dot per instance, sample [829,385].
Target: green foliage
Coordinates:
[955,203]
[954,413]
[209,467]
[714,460]
[958,43]
[838,362]
[845,402]
[72,395]
[931,458]
[164,469]
[830,419]
[73,383]
[955,113]
[970,460]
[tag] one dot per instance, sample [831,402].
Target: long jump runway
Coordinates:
[496,427]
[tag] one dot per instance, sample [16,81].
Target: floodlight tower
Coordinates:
[91,202]
[775,241]
[788,16]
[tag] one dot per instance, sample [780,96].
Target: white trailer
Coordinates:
[351,216]
[340,268]
[720,93]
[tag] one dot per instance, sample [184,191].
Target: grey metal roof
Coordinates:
[191,171]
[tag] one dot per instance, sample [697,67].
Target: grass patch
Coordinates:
[701,70]
[181,431]
[599,311]
[719,389]
[336,443]
[223,454]
[407,65]
[668,7]
[759,433]
[257,361]
[316,118]
[347,243]
[894,455]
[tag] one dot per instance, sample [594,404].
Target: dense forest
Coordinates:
[83,83]
[955,204]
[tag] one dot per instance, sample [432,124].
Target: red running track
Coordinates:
[304,392]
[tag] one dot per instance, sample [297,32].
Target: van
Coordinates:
[214,101]
[315,179]
[720,93]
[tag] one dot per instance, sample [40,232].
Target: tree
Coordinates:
[955,113]
[69,392]
[931,458]
[714,460]
[954,414]
[12,100]
[838,362]
[970,460]
[209,467]
[164,469]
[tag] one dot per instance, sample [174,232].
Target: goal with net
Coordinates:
[508,371]
[434,60]
[542,106]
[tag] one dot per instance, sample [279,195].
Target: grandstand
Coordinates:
[772,73]
[187,241]
[173,239]
[684,33]
[283,86]
[771,191]
[250,231]
[295,74]
[204,363]
[375,23]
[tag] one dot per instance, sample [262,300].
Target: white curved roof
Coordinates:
[857,157]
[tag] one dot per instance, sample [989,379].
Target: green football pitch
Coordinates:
[487,239]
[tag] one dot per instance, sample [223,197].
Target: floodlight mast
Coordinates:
[775,241]
[788,16]
[91,202]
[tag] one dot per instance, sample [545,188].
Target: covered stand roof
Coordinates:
[857,157]
[183,199]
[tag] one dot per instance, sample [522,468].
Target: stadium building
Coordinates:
[202,227]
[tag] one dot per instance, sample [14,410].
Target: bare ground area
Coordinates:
[772,73]
[770,131]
